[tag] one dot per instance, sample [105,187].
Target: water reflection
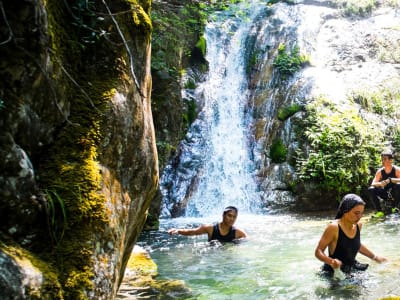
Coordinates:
[276,262]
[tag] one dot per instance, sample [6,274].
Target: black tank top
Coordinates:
[392,173]
[216,235]
[347,248]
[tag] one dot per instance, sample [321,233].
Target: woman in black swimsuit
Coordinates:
[342,238]
[223,231]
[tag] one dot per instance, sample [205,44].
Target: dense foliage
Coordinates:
[341,147]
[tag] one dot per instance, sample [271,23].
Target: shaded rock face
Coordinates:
[172,50]
[78,163]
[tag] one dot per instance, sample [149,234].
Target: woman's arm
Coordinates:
[328,237]
[377,180]
[203,229]
[368,253]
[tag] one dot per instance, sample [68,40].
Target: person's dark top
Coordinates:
[216,235]
[347,248]
[346,251]
[385,176]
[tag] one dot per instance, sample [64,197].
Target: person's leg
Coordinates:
[396,195]
[376,193]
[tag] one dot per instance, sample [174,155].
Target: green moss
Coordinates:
[140,15]
[202,46]
[288,111]
[71,171]
[141,263]
[74,175]
[278,151]
[78,281]
[51,287]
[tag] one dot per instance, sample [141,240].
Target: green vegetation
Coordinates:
[383,101]
[388,50]
[356,7]
[190,112]
[56,217]
[173,32]
[341,147]
[162,147]
[201,45]
[190,84]
[91,22]
[289,63]
[278,151]
[169,38]
[51,287]
[284,1]
[89,65]
[396,139]
[288,111]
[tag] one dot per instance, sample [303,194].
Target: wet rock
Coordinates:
[141,282]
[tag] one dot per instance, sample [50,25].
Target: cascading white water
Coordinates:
[226,177]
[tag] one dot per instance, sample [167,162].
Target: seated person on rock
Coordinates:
[384,191]
[223,231]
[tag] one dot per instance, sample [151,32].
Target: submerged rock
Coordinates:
[141,282]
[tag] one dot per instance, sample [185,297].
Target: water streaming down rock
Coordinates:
[214,168]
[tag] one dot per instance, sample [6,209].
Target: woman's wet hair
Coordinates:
[230,208]
[348,202]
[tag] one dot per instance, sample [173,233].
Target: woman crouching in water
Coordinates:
[342,237]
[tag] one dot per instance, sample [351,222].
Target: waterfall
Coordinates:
[214,168]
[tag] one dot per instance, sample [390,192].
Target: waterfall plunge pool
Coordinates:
[276,262]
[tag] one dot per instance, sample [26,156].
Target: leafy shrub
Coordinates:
[339,147]
[289,63]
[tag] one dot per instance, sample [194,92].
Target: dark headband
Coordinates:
[230,208]
[349,201]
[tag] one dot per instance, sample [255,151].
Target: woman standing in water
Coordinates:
[342,237]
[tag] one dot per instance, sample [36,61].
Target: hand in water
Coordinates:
[173,231]
[338,274]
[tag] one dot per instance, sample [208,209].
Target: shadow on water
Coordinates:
[276,262]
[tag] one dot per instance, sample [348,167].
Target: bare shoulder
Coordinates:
[378,173]
[239,233]
[333,224]
[206,228]
[397,168]
[332,227]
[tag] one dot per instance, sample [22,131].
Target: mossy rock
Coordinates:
[140,279]
[140,264]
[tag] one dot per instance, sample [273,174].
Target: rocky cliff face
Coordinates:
[78,163]
[346,98]
[317,130]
